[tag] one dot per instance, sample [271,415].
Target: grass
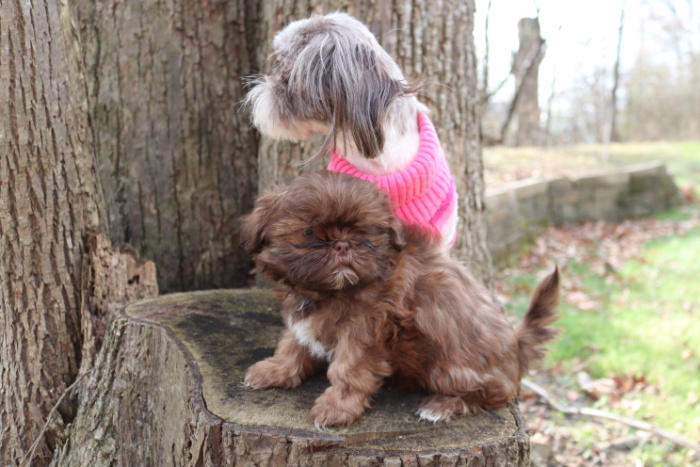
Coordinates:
[647,322]
[657,327]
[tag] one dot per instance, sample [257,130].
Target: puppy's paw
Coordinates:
[330,409]
[439,408]
[271,373]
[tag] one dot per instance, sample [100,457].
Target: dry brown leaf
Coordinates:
[596,388]
[687,354]
[581,300]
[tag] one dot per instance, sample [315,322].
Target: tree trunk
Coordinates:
[168,391]
[49,195]
[526,71]
[49,199]
[613,135]
[176,156]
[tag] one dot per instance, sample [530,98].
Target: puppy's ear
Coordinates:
[254,226]
[362,90]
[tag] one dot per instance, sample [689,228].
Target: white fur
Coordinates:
[264,113]
[429,415]
[303,330]
[399,151]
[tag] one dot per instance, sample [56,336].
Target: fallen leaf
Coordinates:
[581,300]
[597,388]
[633,405]
[629,382]
[687,354]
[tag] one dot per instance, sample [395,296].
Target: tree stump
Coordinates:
[169,391]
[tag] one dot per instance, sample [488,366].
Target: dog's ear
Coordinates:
[362,89]
[254,226]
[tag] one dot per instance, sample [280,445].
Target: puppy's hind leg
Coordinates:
[461,391]
[442,408]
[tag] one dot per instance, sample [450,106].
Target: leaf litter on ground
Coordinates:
[556,440]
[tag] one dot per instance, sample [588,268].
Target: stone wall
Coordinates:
[517,212]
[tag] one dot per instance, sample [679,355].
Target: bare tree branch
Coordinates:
[587,411]
[27,460]
[613,135]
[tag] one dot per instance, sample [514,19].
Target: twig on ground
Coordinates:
[587,411]
[27,460]
[627,442]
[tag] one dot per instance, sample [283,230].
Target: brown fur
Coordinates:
[380,303]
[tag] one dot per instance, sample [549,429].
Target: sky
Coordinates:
[580,35]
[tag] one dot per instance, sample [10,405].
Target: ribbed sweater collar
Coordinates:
[413,181]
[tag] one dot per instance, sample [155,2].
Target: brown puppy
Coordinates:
[382,302]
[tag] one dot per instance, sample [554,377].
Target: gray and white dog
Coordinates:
[332,77]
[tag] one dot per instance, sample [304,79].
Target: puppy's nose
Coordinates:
[341,246]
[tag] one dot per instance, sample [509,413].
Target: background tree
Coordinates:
[524,104]
[614,134]
[50,208]
[526,65]
[663,96]
[638,84]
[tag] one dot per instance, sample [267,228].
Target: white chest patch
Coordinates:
[305,336]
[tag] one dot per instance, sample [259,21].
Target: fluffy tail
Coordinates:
[532,331]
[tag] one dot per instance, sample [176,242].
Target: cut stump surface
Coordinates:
[222,333]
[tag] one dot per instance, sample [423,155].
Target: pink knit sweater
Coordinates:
[424,192]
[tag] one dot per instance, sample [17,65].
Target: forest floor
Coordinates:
[630,343]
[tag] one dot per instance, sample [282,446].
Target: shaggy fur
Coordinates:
[331,76]
[382,303]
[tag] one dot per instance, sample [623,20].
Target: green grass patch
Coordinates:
[646,323]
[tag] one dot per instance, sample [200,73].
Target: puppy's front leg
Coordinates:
[356,372]
[291,364]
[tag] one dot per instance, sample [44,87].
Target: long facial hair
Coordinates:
[325,232]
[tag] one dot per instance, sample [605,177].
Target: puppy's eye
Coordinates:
[309,233]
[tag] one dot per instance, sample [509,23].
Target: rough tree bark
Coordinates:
[51,292]
[526,71]
[176,157]
[49,193]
